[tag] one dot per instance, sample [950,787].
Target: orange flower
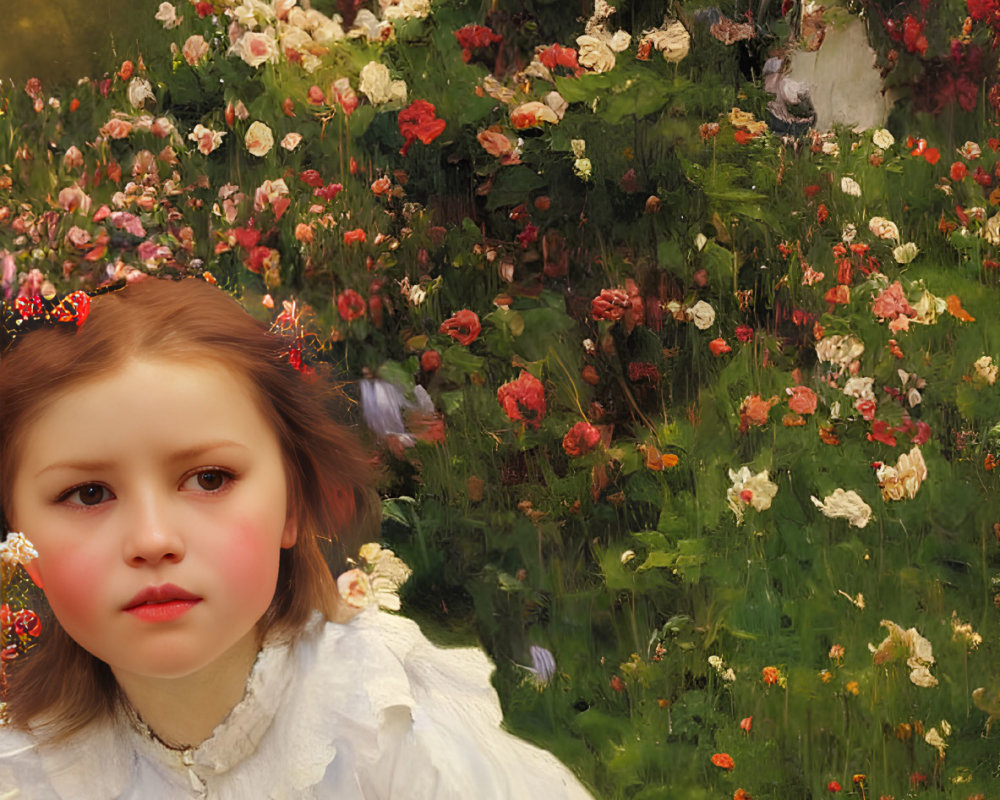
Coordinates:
[381,186]
[770,675]
[754,411]
[356,236]
[718,347]
[740,794]
[746,724]
[990,463]
[853,688]
[956,310]
[669,460]
[742,137]
[828,435]
[723,761]
[801,400]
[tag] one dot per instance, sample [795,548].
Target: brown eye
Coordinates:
[91,494]
[210,480]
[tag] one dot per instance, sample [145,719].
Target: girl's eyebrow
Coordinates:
[179,455]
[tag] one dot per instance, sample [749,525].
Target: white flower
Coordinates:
[140,90]
[845,505]
[850,186]
[883,139]
[167,14]
[256,48]
[416,295]
[673,41]
[620,41]
[838,349]
[936,740]
[883,228]
[700,241]
[991,230]
[627,556]
[715,662]
[377,85]
[919,652]
[970,150]
[702,315]
[594,54]
[748,489]
[831,149]
[407,9]
[904,479]
[579,147]
[259,139]
[291,141]
[905,253]
[986,370]
[848,234]
[582,168]
[860,388]
[207,139]
[16,549]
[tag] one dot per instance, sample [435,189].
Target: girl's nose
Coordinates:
[151,535]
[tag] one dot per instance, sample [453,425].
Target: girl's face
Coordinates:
[156,499]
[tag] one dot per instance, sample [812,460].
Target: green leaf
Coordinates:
[513,186]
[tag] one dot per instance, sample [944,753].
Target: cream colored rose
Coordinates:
[377,85]
[256,48]
[970,150]
[749,489]
[986,370]
[259,139]
[139,91]
[831,149]
[557,103]
[905,253]
[594,54]
[324,30]
[921,676]
[845,505]
[673,41]
[883,228]
[620,41]
[838,349]
[860,388]
[702,315]
[167,15]
[850,186]
[882,139]
[194,49]
[408,9]
[904,479]
[582,168]
[991,230]
[579,147]
[291,141]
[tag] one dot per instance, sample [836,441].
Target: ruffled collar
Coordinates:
[334,685]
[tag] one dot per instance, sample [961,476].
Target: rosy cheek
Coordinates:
[71,584]
[249,564]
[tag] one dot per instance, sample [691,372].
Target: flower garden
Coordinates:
[689,416]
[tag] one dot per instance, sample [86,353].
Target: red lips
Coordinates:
[160,594]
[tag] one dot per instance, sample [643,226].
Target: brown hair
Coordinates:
[58,687]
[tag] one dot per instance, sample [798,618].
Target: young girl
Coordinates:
[180,482]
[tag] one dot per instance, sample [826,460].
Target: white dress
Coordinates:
[364,710]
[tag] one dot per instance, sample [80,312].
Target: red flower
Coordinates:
[643,371]
[311,178]
[528,235]
[932,155]
[982,177]
[822,213]
[740,794]
[718,347]
[913,35]
[328,192]
[833,786]
[981,9]
[723,761]
[559,56]
[262,258]
[580,439]
[743,137]
[811,191]
[430,361]
[246,237]
[744,333]
[958,171]
[709,130]
[26,623]
[617,684]
[350,305]
[746,724]
[419,121]
[866,408]
[356,236]
[475,36]
[523,399]
[610,304]
[882,432]
[203,9]
[463,327]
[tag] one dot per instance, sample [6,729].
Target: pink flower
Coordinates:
[194,49]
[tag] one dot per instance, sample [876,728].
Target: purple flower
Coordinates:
[543,665]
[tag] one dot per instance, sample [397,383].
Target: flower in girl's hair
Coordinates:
[16,549]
